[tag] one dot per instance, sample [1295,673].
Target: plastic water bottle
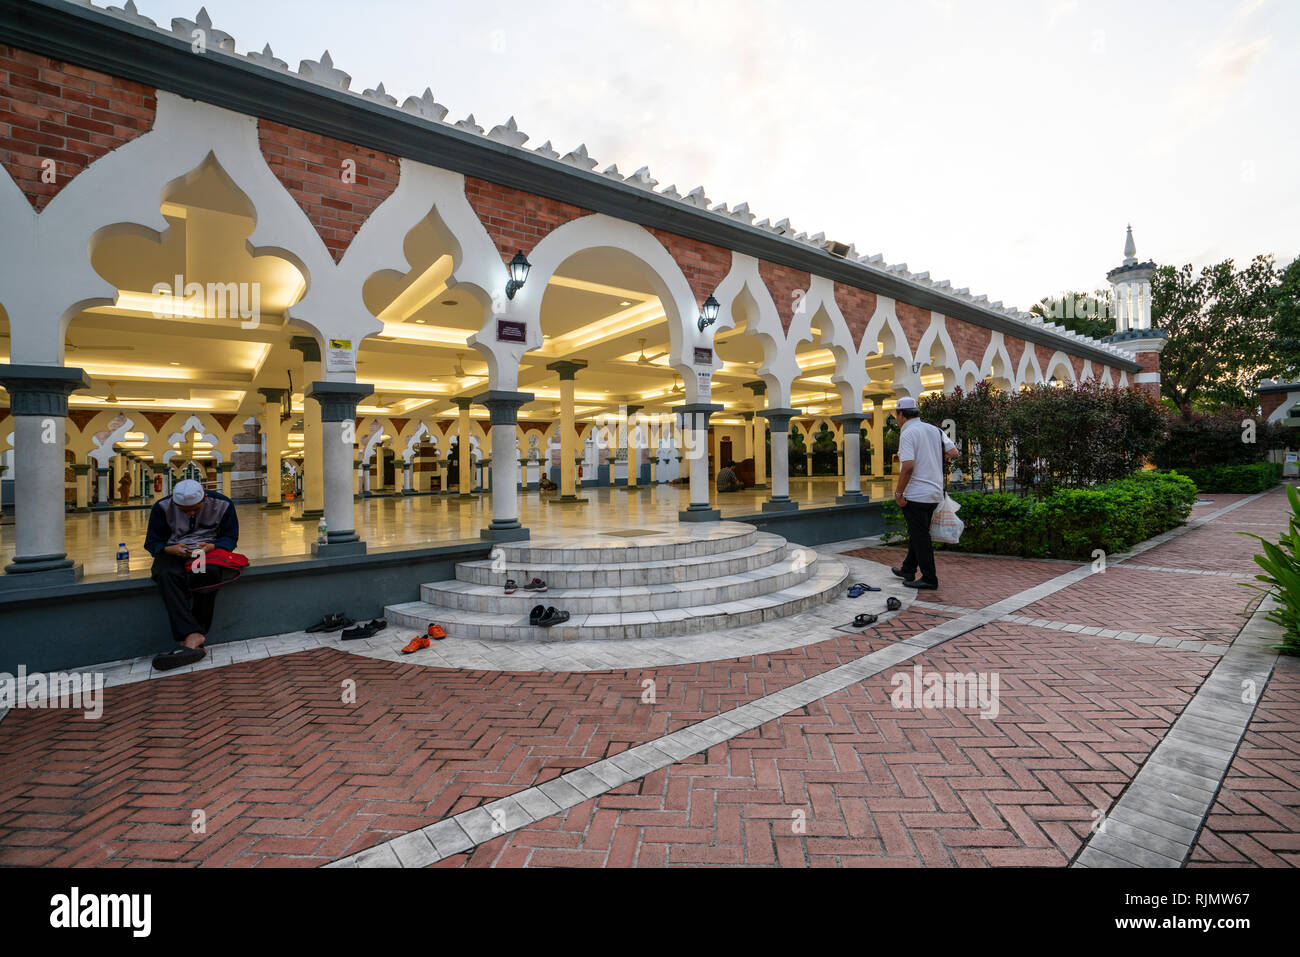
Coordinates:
[322,532]
[123,559]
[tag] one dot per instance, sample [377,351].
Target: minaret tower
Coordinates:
[1131,294]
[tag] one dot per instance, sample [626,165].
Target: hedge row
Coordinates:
[1070,523]
[1258,477]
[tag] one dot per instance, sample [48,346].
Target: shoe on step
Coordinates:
[536,585]
[553,617]
[435,632]
[536,615]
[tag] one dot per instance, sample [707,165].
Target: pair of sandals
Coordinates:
[860,589]
[536,585]
[543,617]
[865,620]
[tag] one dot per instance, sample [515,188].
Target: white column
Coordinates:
[38,402]
[313,491]
[270,423]
[503,409]
[466,463]
[779,422]
[337,402]
[851,422]
[695,439]
[567,370]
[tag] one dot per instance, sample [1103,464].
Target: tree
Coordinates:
[1088,314]
[1285,312]
[1219,325]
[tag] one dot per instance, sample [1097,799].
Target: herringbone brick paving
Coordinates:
[287,774]
[973,581]
[1256,816]
[1198,607]
[878,786]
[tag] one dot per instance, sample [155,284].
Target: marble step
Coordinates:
[682,541]
[795,566]
[828,580]
[766,550]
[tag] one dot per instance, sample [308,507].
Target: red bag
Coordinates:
[220,558]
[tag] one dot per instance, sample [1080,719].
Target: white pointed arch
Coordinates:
[743,284]
[596,231]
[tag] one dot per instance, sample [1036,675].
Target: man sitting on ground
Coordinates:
[728,481]
[185,524]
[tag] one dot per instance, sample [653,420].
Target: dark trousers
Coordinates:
[188,611]
[920,551]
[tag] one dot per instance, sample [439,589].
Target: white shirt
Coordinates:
[924,445]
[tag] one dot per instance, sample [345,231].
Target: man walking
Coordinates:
[922,449]
[185,524]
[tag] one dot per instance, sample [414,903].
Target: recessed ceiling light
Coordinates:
[625,303]
[450,302]
[174,363]
[419,322]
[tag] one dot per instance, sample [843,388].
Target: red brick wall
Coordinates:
[52,110]
[311,168]
[1044,355]
[858,306]
[704,265]
[1015,349]
[971,342]
[915,321]
[1076,363]
[516,221]
[782,283]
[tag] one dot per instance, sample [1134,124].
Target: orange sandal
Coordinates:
[418,643]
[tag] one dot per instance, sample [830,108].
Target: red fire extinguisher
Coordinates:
[157,484]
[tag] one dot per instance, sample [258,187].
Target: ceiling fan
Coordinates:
[67,344]
[643,360]
[459,370]
[678,387]
[113,399]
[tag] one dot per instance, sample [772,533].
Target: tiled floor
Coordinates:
[423,520]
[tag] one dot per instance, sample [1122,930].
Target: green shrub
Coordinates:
[1281,564]
[1257,477]
[1069,523]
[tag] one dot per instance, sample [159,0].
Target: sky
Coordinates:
[1001,145]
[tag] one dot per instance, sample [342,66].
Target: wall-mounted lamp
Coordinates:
[1054,382]
[709,312]
[519,267]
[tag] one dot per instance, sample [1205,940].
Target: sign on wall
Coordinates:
[339,357]
[705,381]
[508,330]
[703,357]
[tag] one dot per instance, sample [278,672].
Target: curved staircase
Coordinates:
[657,582]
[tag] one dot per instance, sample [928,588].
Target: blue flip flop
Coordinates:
[860,589]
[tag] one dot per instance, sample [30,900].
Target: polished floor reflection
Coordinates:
[422,520]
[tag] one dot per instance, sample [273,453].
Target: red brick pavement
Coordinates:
[1198,607]
[288,775]
[973,581]
[1256,816]
[883,787]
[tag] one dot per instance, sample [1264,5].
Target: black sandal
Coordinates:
[179,658]
[364,631]
[862,621]
[332,623]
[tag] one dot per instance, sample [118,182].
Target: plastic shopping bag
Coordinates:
[945,526]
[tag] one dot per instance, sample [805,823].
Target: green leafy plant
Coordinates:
[1258,477]
[1281,564]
